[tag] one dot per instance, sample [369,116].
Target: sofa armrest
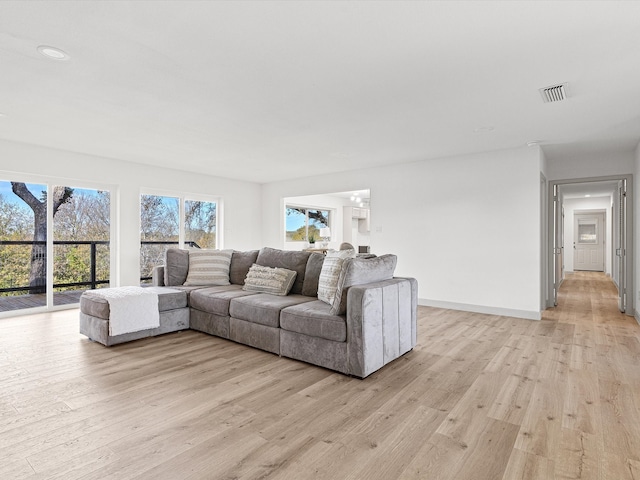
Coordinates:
[157,276]
[381,323]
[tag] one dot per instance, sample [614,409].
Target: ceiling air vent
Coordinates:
[554,93]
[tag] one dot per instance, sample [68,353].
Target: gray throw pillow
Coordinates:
[276,281]
[176,266]
[360,271]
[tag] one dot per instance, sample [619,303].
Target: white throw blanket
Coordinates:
[131,309]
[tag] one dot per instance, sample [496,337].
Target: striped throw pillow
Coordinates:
[330,273]
[209,267]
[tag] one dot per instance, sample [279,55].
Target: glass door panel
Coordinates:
[81,235]
[23,245]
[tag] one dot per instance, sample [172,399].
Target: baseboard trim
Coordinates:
[637,317]
[465,307]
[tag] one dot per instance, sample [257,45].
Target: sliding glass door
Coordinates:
[81,240]
[46,265]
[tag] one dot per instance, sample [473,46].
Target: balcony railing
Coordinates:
[93,281]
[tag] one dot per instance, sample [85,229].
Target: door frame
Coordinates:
[629,308]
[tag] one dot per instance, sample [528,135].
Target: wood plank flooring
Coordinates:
[480,397]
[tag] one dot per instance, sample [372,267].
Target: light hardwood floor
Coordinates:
[480,397]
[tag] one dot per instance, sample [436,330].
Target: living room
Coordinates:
[320,97]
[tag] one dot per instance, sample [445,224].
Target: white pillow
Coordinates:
[209,267]
[273,280]
[330,273]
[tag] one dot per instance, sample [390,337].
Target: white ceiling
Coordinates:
[266,90]
[593,189]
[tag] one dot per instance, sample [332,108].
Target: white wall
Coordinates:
[240,206]
[468,227]
[593,203]
[544,231]
[590,165]
[636,226]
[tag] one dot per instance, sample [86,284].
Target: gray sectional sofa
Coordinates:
[375,322]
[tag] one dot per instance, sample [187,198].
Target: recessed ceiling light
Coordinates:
[53,53]
[483,129]
[587,195]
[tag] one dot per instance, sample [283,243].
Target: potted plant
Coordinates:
[312,240]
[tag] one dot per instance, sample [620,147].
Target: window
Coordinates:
[304,224]
[79,239]
[200,223]
[159,229]
[587,233]
[161,218]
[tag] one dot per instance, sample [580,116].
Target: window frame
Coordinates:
[306,208]
[182,198]
[50,182]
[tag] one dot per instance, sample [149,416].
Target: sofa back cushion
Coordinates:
[359,271]
[176,266]
[291,260]
[312,275]
[208,267]
[240,264]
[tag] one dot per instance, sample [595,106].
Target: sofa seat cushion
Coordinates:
[186,289]
[216,299]
[168,299]
[263,308]
[314,319]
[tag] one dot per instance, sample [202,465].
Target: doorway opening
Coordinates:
[325,221]
[612,198]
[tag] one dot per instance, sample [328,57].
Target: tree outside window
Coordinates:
[304,224]
[160,220]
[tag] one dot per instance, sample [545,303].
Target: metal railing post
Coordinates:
[93,265]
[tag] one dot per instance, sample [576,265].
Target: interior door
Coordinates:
[588,241]
[558,242]
[621,244]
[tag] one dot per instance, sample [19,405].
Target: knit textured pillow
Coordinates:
[330,274]
[209,267]
[273,280]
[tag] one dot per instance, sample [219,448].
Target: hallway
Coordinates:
[589,298]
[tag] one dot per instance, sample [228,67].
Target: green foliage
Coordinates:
[81,216]
[313,220]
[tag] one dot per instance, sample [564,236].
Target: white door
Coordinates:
[588,241]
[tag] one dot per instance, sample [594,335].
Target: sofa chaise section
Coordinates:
[95,313]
